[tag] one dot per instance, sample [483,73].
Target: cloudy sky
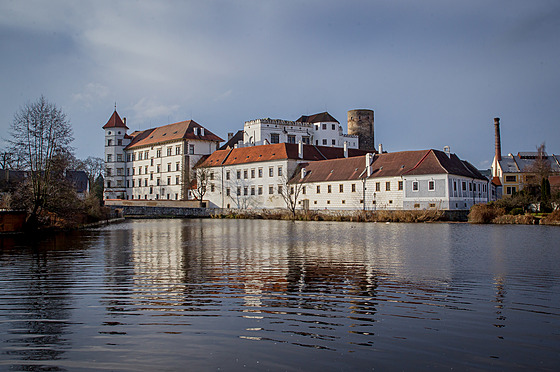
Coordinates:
[436,72]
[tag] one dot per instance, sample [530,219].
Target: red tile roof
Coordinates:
[279,151]
[115,122]
[171,132]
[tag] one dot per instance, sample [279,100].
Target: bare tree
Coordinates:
[202,177]
[40,133]
[291,191]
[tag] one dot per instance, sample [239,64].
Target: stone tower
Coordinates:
[115,161]
[360,123]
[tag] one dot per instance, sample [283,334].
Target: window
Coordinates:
[152,176]
[318,189]
[432,205]
[274,138]
[511,178]
[169,152]
[157,182]
[227,175]
[260,190]
[158,168]
[108,171]
[431,185]
[333,142]
[324,126]
[353,187]
[333,126]
[238,174]
[417,205]
[464,186]
[177,150]
[329,189]
[252,190]
[119,142]
[145,182]
[271,172]
[344,202]
[245,191]
[139,158]
[128,157]
[169,167]
[341,188]
[119,157]
[109,157]
[271,189]
[238,190]
[158,153]
[303,190]
[390,202]
[176,180]
[228,192]
[510,190]
[119,171]
[252,173]
[212,188]
[378,186]
[305,140]
[169,180]
[245,174]
[292,190]
[414,185]
[146,169]
[260,172]
[152,162]
[291,138]
[146,154]
[280,171]
[177,166]
[132,183]
[108,184]
[212,175]
[279,189]
[324,142]
[400,185]
[191,149]
[387,186]
[110,142]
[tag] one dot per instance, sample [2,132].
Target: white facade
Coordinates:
[271,131]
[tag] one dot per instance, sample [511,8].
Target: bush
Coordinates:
[516,211]
[485,213]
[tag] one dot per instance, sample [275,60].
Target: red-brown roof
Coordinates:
[115,122]
[171,132]
[279,151]
[392,164]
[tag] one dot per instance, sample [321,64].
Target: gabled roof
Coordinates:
[115,122]
[317,118]
[394,164]
[171,132]
[279,151]
[233,140]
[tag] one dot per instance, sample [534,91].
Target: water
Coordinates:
[235,295]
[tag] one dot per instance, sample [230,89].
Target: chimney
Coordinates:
[447,151]
[380,148]
[369,158]
[498,144]
[124,121]
[300,150]
[345,149]
[229,136]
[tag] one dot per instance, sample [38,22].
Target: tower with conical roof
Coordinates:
[116,140]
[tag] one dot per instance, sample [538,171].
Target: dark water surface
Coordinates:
[278,295]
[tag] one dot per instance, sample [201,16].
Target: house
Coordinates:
[406,180]
[257,176]
[515,172]
[154,163]
[79,180]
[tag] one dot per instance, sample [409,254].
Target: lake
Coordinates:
[208,294]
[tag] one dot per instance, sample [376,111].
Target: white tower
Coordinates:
[116,140]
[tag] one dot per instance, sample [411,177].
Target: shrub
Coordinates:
[485,213]
[516,211]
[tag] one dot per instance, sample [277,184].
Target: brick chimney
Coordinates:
[498,144]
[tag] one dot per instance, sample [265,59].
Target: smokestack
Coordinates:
[229,136]
[300,150]
[369,158]
[498,141]
[380,148]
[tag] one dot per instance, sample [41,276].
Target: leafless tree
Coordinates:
[202,177]
[40,133]
[291,191]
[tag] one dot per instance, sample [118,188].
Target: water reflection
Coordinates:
[147,294]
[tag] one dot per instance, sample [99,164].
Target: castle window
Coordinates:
[333,126]
[109,157]
[110,142]
[305,140]
[291,138]
[324,142]
[274,138]
[324,126]
[119,142]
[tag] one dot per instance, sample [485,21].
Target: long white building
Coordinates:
[154,163]
[409,180]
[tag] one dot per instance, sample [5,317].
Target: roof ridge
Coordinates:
[420,162]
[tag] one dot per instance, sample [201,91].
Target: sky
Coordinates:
[435,72]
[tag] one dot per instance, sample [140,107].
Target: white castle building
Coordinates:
[320,130]
[154,163]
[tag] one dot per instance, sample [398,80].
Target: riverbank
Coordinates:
[490,214]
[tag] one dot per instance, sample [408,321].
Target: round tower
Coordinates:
[360,123]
